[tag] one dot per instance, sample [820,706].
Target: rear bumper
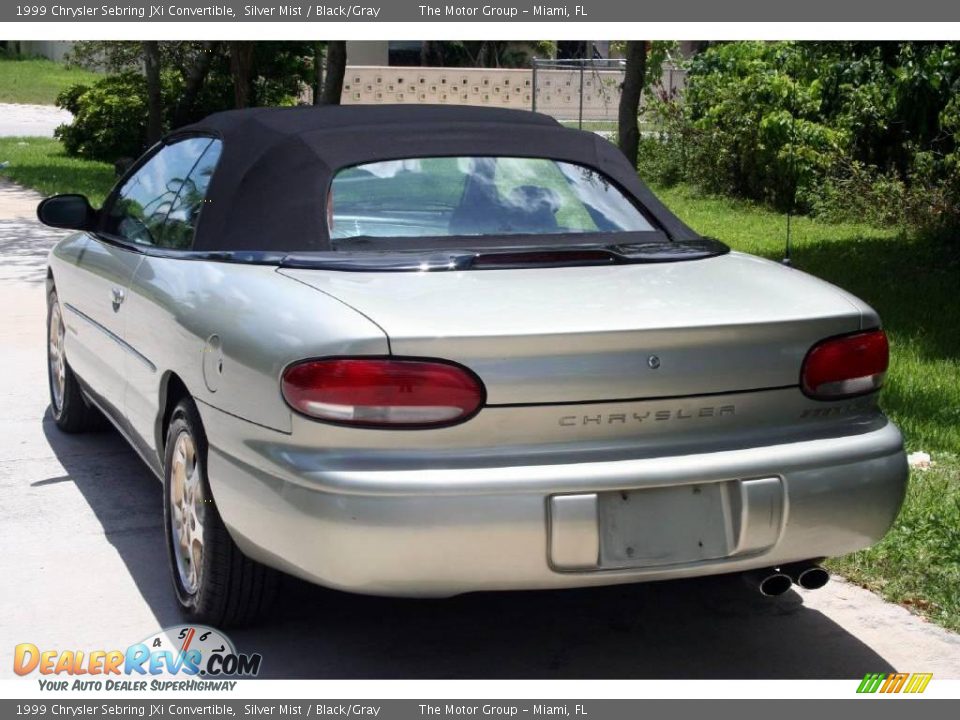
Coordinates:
[443,532]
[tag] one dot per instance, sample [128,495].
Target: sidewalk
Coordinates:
[24,242]
[30,120]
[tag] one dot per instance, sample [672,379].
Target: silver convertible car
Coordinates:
[422,351]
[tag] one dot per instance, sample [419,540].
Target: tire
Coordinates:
[215,582]
[69,408]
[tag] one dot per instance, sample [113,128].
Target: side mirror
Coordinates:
[71,212]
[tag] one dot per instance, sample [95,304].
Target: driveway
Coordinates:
[84,567]
[32,120]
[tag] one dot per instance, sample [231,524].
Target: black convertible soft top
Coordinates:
[269,189]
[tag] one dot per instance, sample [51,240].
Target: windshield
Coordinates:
[476,196]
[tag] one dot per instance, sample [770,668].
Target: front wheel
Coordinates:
[215,582]
[68,407]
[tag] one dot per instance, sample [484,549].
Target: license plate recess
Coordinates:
[688,523]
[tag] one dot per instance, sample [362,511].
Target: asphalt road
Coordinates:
[83,567]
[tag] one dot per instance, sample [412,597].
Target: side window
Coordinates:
[185,211]
[141,207]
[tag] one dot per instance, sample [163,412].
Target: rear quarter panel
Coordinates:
[227,331]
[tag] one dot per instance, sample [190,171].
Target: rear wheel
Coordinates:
[68,407]
[214,581]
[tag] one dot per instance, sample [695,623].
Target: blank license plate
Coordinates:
[665,526]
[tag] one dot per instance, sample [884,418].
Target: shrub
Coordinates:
[69,99]
[197,79]
[758,125]
[853,190]
[662,156]
[845,130]
[110,118]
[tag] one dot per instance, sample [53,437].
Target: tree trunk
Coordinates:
[336,68]
[194,78]
[317,72]
[431,54]
[241,59]
[628,129]
[151,61]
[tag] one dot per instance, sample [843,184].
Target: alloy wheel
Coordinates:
[57,362]
[186,512]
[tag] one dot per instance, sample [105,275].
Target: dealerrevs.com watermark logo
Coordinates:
[182,657]
[894,682]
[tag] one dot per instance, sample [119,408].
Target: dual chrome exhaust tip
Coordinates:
[776,581]
[809,577]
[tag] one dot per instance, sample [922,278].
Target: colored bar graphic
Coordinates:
[918,682]
[894,682]
[871,682]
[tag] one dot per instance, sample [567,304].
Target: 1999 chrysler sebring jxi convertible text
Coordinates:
[427,350]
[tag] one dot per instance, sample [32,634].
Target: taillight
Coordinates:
[846,366]
[380,392]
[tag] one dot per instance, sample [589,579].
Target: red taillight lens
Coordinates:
[378,392]
[846,366]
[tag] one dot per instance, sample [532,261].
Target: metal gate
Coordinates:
[587,90]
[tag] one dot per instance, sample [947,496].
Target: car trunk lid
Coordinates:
[562,335]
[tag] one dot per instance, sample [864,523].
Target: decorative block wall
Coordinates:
[558,91]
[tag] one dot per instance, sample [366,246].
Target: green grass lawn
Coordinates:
[40,163]
[915,286]
[607,126]
[38,81]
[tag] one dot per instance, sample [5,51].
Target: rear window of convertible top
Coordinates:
[476,196]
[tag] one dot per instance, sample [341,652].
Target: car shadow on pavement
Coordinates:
[705,628]
[125,497]
[24,247]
